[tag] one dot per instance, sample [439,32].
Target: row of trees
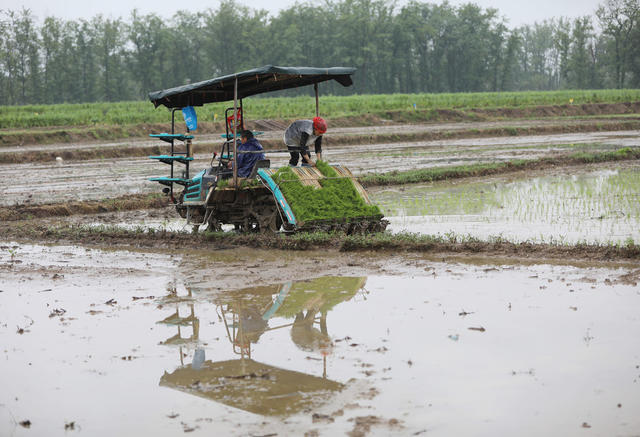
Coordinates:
[419,47]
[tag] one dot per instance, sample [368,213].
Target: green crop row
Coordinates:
[337,198]
[485,169]
[135,112]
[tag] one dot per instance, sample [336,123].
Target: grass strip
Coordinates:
[381,242]
[474,170]
[123,113]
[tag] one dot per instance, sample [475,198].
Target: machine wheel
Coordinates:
[269,221]
[214,225]
[263,218]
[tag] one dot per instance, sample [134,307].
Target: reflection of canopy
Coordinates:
[251,386]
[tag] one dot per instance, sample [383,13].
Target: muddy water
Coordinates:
[421,154]
[114,342]
[97,179]
[596,206]
[79,180]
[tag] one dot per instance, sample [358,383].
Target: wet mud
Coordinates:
[64,209]
[239,342]
[142,203]
[115,319]
[105,178]
[338,138]
[174,235]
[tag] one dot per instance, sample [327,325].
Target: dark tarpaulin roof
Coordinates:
[251,82]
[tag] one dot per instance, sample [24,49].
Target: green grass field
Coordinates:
[123,113]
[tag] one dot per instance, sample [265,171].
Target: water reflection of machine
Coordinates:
[248,384]
[181,322]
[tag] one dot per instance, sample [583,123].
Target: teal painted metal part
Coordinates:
[193,192]
[168,159]
[168,181]
[284,291]
[282,202]
[170,137]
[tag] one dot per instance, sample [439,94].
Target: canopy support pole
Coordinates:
[315,88]
[235,133]
[173,130]
[242,112]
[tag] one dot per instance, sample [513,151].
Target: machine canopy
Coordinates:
[251,82]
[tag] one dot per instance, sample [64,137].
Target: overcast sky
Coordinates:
[517,11]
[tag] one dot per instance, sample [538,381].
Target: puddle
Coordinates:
[120,342]
[601,207]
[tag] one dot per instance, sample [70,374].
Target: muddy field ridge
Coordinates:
[74,134]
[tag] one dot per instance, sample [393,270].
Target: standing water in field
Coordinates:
[134,343]
[596,207]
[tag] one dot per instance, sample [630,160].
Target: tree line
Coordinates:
[417,47]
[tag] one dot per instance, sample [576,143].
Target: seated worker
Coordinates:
[246,161]
[300,134]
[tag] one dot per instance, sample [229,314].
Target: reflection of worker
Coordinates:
[251,325]
[246,161]
[309,338]
[300,135]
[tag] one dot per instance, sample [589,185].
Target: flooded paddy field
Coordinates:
[179,339]
[594,204]
[421,154]
[238,342]
[103,178]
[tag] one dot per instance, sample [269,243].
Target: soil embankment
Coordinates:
[128,202]
[383,242]
[492,169]
[76,134]
[124,151]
